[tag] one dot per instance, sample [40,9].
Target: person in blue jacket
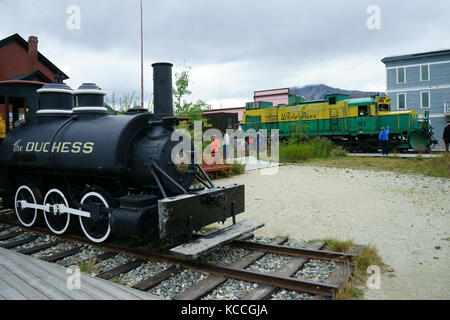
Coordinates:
[384,140]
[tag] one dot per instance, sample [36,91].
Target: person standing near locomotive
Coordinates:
[214,146]
[384,140]
[226,143]
[446,135]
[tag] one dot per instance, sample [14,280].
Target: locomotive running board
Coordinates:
[193,249]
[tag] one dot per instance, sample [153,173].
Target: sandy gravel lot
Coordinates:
[405,216]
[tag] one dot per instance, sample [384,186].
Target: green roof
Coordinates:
[360,102]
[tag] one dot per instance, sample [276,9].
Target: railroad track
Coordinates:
[214,274]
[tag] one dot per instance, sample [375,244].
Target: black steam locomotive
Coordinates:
[115,173]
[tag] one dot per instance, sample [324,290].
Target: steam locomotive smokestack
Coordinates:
[162,89]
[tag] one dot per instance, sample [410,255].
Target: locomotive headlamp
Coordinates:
[181,162]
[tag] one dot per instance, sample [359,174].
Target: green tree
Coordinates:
[124,103]
[183,107]
[181,91]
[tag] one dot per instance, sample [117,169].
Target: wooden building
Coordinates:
[23,70]
[224,119]
[421,81]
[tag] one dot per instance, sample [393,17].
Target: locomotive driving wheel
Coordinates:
[56,221]
[97,228]
[26,196]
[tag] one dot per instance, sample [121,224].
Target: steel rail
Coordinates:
[295,252]
[230,272]
[214,268]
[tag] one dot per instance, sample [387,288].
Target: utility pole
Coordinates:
[142,59]
[220,94]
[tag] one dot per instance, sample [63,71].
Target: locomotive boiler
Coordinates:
[121,174]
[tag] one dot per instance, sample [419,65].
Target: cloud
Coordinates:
[242,45]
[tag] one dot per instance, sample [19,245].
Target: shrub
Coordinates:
[312,148]
[238,169]
[298,136]
[338,152]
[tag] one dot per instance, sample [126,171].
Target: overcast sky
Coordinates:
[233,47]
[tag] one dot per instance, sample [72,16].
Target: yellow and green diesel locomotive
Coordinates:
[354,124]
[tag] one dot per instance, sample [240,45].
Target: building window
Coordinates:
[401,101]
[401,75]
[425,99]
[425,72]
[446,107]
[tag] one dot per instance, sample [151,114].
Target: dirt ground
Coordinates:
[407,218]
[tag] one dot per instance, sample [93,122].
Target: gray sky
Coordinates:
[234,47]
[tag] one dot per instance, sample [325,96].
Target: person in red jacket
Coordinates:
[214,146]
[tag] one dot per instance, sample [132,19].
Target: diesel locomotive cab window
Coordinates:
[363,111]
[332,101]
[383,107]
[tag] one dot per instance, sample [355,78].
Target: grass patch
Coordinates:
[349,292]
[367,257]
[434,167]
[238,169]
[117,279]
[315,148]
[337,245]
[88,266]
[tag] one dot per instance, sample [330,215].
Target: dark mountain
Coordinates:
[319,91]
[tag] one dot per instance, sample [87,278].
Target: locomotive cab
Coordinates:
[383,104]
